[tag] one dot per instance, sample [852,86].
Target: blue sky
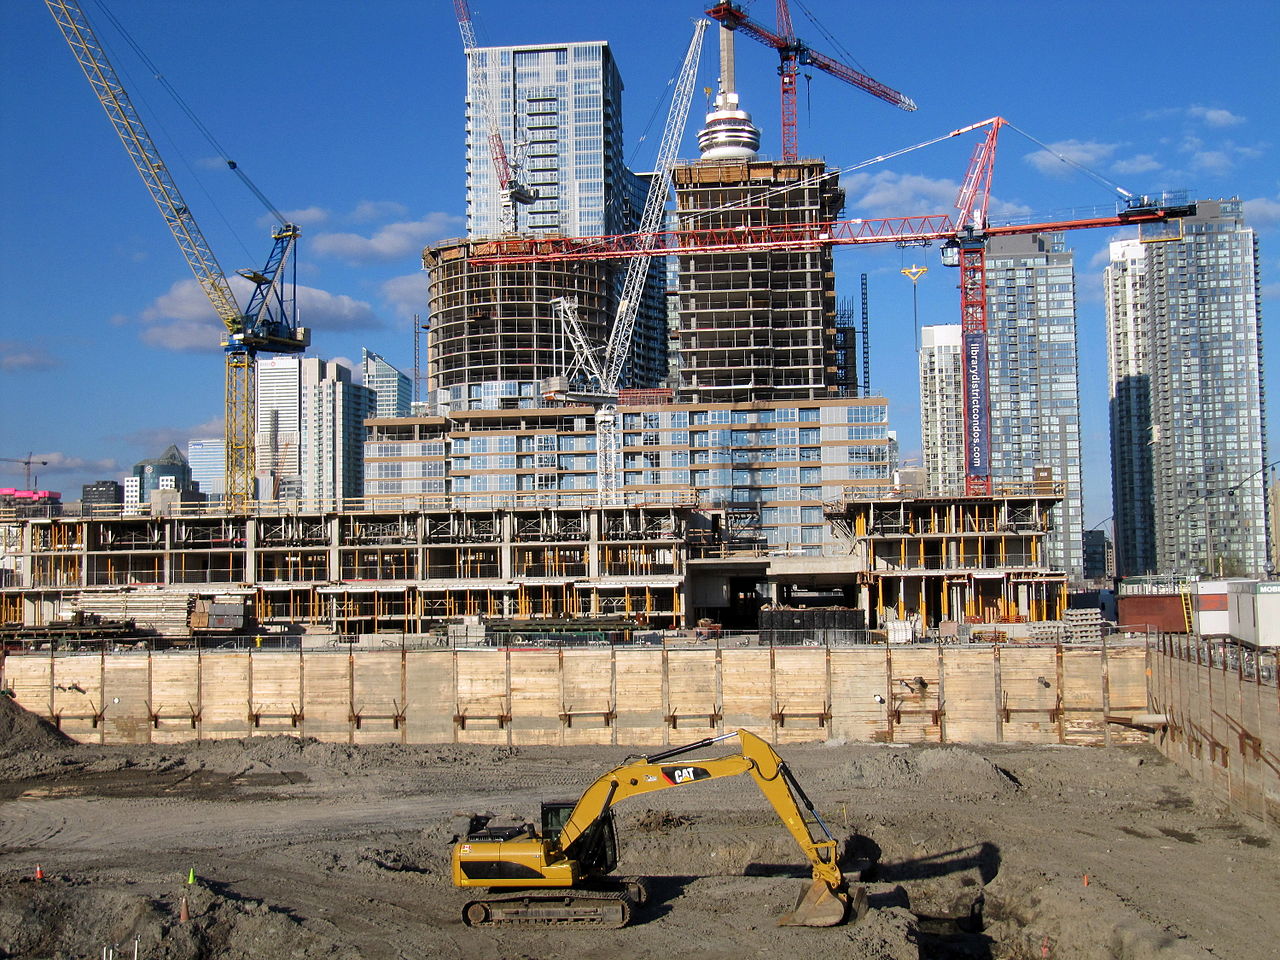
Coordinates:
[349,116]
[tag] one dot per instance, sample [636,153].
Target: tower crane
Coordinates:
[792,52]
[964,232]
[27,462]
[512,191]
[267,325]
[604,369]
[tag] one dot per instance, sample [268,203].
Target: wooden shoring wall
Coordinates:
[1223,709]
[620,695]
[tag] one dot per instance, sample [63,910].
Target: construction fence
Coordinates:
[626,695]
[1222,703]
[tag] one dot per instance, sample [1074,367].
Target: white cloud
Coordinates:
[889,194]
[1215,161]
[407,294]
[1139,163]
[59,463]
[306,216]
[395,241]
[322,310]
[1087,153]
[371,210]
[1215,116]
[183,320]
[1262,212]
[16,356]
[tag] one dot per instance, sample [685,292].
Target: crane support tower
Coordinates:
[792,53]
[268,325]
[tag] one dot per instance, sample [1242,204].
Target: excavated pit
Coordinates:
[305,850]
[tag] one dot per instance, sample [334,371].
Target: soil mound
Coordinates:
[948,771]
[21,731]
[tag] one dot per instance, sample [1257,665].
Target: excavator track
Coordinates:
[603,909]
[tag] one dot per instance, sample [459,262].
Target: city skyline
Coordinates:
[78,337]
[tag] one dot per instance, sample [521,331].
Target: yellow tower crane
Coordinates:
[268,325]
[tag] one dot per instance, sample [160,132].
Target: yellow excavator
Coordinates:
[563,870]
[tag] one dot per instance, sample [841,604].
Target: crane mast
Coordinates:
[792,53]
[267,325]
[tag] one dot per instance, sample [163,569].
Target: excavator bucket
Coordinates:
[820,906]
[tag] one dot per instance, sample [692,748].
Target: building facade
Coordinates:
[559,112]
[1034,379]
[169,471]
[759,323]
[1188,438]
[310,436]
[942,408]
[208,465]
[392,388]
[765,468]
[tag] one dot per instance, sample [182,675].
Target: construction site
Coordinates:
[639,638]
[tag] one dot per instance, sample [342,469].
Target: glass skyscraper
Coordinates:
[942,408]
[1188,426]
[393,388]
[1034,383]
[559,110]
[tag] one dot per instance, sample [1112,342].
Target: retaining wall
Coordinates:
[1223,706]
[611,695]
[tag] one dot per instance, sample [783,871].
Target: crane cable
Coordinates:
[191,114]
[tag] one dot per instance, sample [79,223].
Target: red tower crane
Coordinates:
[964,232]
[792,52]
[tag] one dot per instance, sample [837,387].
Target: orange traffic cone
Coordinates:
[184,912]
[39,872]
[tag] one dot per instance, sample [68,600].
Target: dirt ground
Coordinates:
[309,850]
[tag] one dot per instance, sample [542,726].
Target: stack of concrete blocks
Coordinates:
[1048,631]
[1083,626]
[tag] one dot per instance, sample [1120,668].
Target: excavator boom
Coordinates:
[576,852]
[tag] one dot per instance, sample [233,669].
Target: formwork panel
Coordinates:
[1082,703]
[858,677]
[801,694]
[175,697]
[326,696]
[746,690]
[31,680]
[377,697]
[692,692]
[969,694]
[1219,731]
[224,696]
[76,696]
[915,706]
[429,683]
[126,690]
[483,696]
[1127,686]
[276,695]
[535,697]
[586,678]
[1029,694]
[638,681]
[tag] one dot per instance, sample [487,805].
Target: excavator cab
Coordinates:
[595,849]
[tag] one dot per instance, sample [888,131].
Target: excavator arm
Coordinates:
[579,851]
[662,771]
